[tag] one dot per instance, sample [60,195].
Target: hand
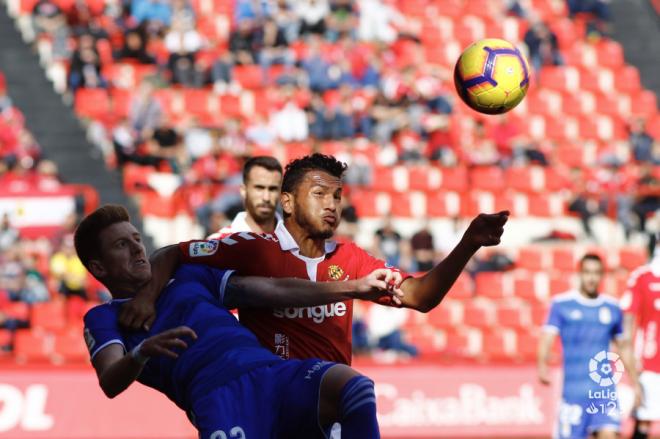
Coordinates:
[163,343]
[544,376]
[137,314]
[379,283]
[486,229]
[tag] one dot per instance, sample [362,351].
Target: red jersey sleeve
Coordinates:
[369,263]
[631,299]
[242,252]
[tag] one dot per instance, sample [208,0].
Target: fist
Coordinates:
[486,229]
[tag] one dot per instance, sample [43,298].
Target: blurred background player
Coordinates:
[587,322]
[260,191]
[641,305]
[198,355]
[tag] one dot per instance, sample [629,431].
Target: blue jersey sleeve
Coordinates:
[214,279]
[553,323]
[617,328]
[102,329]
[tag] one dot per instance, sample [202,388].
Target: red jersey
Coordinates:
[311,332]
[642,299]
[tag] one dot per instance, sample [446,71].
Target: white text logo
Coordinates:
[317,313]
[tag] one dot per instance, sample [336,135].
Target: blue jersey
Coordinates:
[586,328]
[223,350]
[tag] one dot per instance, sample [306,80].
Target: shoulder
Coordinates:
[101,313]
[566,297]
[638,273]
[611,301]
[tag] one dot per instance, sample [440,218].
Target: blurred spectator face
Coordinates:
[315,204]
[133,41]
[261,192]
[86,41]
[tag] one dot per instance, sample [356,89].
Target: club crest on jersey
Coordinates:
[89,339]
[203,248]
[605,315]
[335,272]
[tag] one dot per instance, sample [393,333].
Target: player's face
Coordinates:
[261,192]
[123,256]
[316,204]
[591,275]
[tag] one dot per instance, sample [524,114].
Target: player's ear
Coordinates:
[96,268]
[286,200]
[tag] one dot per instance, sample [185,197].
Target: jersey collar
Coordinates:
[287,243]
[240,222]
[599,300]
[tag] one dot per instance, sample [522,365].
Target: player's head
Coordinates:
[262,182]
[311,194]
[111,248]
[592,270]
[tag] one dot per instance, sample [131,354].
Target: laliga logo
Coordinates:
[601,370]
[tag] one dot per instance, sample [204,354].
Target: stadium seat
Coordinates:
[560,284]
[491,285]
[32,346]
[563,259]
[488,178]
[454,179]
[628,80]
[645,104]
[463,288]
[631,258]
[70,348]
[6,337]
[249,76]
[513,315]
[527,343]
[196,102]
[442,316]
[525,179]
[456,344]
[17,310]
[524,287]
[91,102]
[609,53]
[443,204]
[498,345]
[531,258]
[539,314]
[49,316]
[478,315]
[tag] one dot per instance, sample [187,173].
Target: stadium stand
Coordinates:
[208,88]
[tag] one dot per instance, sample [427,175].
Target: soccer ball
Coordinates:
[491,76]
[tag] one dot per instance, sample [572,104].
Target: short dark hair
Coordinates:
[591,257]
[296,169]
[262,161]
[86,238]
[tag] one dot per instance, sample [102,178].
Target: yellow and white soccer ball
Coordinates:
[492,76]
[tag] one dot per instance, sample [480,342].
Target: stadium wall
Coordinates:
[414,402]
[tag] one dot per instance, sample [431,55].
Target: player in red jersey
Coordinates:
[260,191]
[301,247]
[641,305]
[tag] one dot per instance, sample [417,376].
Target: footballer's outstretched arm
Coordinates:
[426,292]
[116,370]
[253,291]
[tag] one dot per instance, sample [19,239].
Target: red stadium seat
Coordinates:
[70,348]
[527,343]
[6,337]
[491,285]
[526,179]
[463,288]
[489,178]
[627,80]
[32,346]
[563,259]
[525,288]
[196,102]
[644,104]
[48,316]
[478,315]
[443,204]
[454,179]
[531,258]
[441,317]
[91,102]
[456,344]
[249,76]
[559,285]
[513,315]
[17,310]
[365,203]
[497,346]
[609,53]
[631,258]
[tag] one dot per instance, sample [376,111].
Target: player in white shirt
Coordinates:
[261,188]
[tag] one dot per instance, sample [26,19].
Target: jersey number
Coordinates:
[234,433]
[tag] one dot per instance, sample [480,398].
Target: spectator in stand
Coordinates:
[290,122]
[316,66]
[157,12]
[183,43]
[348,226]
[145,112]
[379,21]
[342,20]
[259,132]
[244,43]
[585,200]
[542,46]
[33,288]
[8,234]
[274,48]
[479,149]
[126,147]
[441,141]
[85,68]
[423,250]
[647,197]
[599,9]
[312,15]
[67,270]
[284,14]
[389,243]
[135,48]
[5,100]
[47,18]
[641,143]
[386,328]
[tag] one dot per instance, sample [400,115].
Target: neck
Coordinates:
[309,246]
[589,295]
[266,226]
[124,290]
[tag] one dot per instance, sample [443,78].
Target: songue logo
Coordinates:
[318,314]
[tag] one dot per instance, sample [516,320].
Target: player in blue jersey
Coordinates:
[587,322]
[199,355]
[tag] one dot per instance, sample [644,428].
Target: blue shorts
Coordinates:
[276,401]
[579,418]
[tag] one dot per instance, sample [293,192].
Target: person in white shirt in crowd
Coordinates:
[260,191]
